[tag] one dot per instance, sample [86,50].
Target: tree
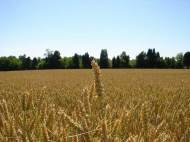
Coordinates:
[186,59]
[132,63]
[141,60]
[9,63]
[52,59]
[42,64]
[118,61]
[162,63]
[75,61]
[179,60]
[28,63]
[25,62]
[14,63]
[150,58]
[56,59]
[114,64]
[153,58]
[66,62]
[104,62]
[124,60]
[170,62]
[34,63]
[86,61]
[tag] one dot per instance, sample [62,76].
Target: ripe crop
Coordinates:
[112,106]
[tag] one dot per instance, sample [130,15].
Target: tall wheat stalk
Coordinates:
[101,98]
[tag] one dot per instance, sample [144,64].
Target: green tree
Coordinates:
[132,63]
[75,61]
[42,64]
[186,59]
[124,60]
[34,63]
[86,61]
[9,63]
[141,60]
[25,62]
[114,64]
[66,62]
[162,63]
[179,60]
[56,59]
[52,59]
[152,58]
[14,63]
[104,61]
[170,62]
[118,61]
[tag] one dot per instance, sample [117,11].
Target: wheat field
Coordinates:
[95,106]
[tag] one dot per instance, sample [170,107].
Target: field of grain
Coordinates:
[119,106]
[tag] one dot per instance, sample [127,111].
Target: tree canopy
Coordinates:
[104,61]
[186,59]
[53,60]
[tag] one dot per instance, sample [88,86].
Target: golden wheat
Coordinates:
[120,106]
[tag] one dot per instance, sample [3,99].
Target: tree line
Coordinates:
[53,60]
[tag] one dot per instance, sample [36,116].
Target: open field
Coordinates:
[136,106]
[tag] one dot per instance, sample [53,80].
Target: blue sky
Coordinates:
[31,26]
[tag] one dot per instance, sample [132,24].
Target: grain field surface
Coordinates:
[121,105]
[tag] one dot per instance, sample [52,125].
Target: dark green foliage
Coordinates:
[152,59]
[132,63]
[41,64]
[162,63]
[179,60]
[186,59]
[170,62]
[9,63]
[25,62]
[67,62]
[34,63]
[86,62]
[124,60]
[116,62]
[141,60]
[75,62]
[104,62]
[53,60]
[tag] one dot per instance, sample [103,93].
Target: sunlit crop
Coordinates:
[95,105]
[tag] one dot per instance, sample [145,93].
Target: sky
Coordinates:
[78,26]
